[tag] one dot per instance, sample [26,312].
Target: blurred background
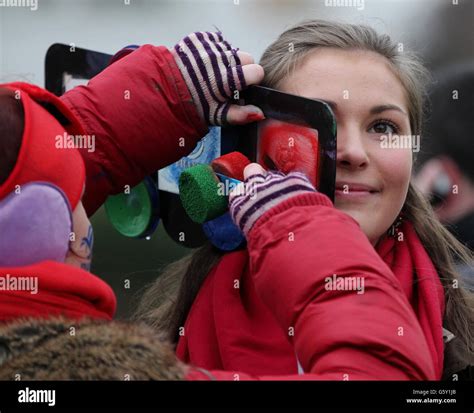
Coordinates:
[439,30]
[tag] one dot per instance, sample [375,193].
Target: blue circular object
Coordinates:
[223,233]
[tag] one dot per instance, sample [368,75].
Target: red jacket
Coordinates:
[265,310]
[280,314]
[161,111]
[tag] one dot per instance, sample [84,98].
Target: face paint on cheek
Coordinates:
[80,252]
[87,244]
[82,242]
[287,147]
[88,241]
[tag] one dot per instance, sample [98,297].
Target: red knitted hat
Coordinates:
[40,159]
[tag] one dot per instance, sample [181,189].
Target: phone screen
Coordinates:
[288,147]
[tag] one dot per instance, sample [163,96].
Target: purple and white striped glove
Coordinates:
[261,191]
[213,71]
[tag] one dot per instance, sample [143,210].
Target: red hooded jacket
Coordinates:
[263,313]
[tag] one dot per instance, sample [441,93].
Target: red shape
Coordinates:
[288,147]
[39,158]
[231,164]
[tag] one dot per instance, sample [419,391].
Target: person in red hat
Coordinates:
[64,183]
[49,185]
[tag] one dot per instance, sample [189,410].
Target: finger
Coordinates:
[253,169]
[245,58]
[241,115]
[253,74]
[247,75]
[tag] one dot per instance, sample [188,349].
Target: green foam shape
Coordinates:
[200,195]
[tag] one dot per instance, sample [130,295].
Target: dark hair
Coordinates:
[12,120]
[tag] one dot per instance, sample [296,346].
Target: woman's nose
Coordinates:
[351,153]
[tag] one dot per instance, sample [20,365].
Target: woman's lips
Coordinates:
[355,191]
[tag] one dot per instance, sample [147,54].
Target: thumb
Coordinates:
[253,169]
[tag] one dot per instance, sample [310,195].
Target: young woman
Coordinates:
[268,311]
[265,310]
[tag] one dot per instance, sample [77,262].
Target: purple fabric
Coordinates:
[215,65]
[230,78]
[192,75]
[35,225]
[201,64]
[261,193]
[238,68]
[202,69]
[210,96]
[258,205]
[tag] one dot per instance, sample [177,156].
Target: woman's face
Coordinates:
[369,103]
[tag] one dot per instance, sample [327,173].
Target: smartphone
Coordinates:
[297,134]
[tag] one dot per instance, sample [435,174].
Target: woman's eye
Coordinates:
[383,127]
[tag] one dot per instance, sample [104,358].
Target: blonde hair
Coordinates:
[169,310]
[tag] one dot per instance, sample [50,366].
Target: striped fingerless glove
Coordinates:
[212,71]
[259,193]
